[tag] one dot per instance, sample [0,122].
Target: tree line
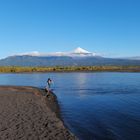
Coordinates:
[17,69]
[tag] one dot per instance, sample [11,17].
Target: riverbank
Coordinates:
[30,113]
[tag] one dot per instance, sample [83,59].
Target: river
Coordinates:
[94,106]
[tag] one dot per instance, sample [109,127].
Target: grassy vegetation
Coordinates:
[15,69]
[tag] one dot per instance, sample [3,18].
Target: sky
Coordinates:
[108,27]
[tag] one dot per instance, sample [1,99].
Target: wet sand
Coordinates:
[28,113]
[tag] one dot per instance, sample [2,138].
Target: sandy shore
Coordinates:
[27,113]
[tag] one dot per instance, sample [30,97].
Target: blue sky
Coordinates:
[109,27]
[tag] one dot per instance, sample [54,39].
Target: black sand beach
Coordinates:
[27,113]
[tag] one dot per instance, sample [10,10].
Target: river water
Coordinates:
[94,106]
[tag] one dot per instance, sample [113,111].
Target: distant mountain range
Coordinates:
[79,57]
[133,58]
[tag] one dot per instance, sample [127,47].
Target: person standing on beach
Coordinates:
[49,82]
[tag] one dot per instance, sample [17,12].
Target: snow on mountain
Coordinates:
[78,52]
[34,53]
[81,51]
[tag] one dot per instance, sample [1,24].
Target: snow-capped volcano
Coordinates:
[78,57]
[78,52]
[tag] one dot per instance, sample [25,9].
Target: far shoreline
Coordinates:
[68,69]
